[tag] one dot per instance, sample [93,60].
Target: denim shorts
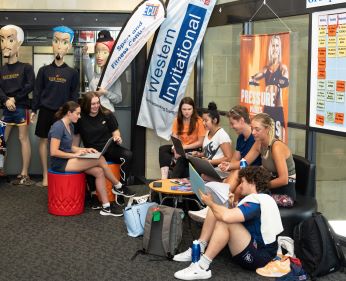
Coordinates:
[19,117]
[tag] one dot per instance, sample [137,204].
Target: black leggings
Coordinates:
[118,155]
[181,168]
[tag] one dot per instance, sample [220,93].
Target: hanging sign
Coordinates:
[318,3]
[172,61]
[264,77]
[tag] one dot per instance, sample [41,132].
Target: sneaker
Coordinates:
[95,203]
[184,256]
[297,273]
[114,210]
[193,272]
[122,191]
[275,268]
[199,216]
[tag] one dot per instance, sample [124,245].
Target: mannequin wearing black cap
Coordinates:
[103,48]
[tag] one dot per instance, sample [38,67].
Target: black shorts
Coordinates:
[252,258]
[45,119]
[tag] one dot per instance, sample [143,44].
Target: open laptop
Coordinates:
[218,190]
[97,155]
[203,166]
[178,146]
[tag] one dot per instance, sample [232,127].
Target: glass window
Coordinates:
[298,60]
[221,66]
[331,178]
[296,141]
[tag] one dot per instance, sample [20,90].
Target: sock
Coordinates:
[203,245]
[164,172]
[106,205]
[118,185]
[204,262]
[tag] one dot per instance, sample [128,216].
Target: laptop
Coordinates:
[218,190]
[178,146]
[204,167]
[97,155]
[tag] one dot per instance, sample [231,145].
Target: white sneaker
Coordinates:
[184,256]
[199,216]
[193,272]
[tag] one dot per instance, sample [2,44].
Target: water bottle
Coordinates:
[243,163]
[196,251]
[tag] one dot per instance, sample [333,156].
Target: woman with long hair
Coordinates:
[96,125]
[188,127]
[64,155]
[275,75]
[276,156]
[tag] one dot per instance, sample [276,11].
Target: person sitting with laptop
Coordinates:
[64,155]
[217,146]
[188,127]
[249,229]
[96,125]
[239,121]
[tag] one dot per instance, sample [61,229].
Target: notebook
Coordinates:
[219,190]
[97,155]
[203,166]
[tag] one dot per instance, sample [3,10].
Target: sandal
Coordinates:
[26,181]
[40,184]
[17,180]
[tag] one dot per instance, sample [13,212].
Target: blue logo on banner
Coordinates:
[188,35]
[151,10]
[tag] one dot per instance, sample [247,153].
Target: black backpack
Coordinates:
[317,246]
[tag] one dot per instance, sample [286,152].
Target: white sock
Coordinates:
[106,205]
[118,185]
[164,172]
[203,245]
[204,262]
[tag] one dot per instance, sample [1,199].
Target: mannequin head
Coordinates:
[12,37]
[103,47]
[62,41]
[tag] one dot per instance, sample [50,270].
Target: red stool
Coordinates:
[115,168]
[66,193]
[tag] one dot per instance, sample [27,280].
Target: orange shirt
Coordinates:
[184,137]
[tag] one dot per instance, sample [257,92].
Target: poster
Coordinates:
[264,77]
[328,70]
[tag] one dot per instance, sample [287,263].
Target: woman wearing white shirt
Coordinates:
[217,143]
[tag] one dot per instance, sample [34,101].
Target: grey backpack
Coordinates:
[163,237]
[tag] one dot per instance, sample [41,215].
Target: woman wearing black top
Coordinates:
[96,125]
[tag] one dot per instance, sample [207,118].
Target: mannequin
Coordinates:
[16,82]
[55,84]
[103,48]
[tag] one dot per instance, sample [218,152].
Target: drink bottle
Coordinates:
[196,251]
[243,163]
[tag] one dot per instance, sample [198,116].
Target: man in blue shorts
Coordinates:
[249,229]
[56,84]
[16,82]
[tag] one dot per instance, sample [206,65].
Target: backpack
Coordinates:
[162,237]
[317,246]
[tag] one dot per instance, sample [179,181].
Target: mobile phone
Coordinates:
[175,181]
[157,184]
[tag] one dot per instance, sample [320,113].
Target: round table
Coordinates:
[166,192]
